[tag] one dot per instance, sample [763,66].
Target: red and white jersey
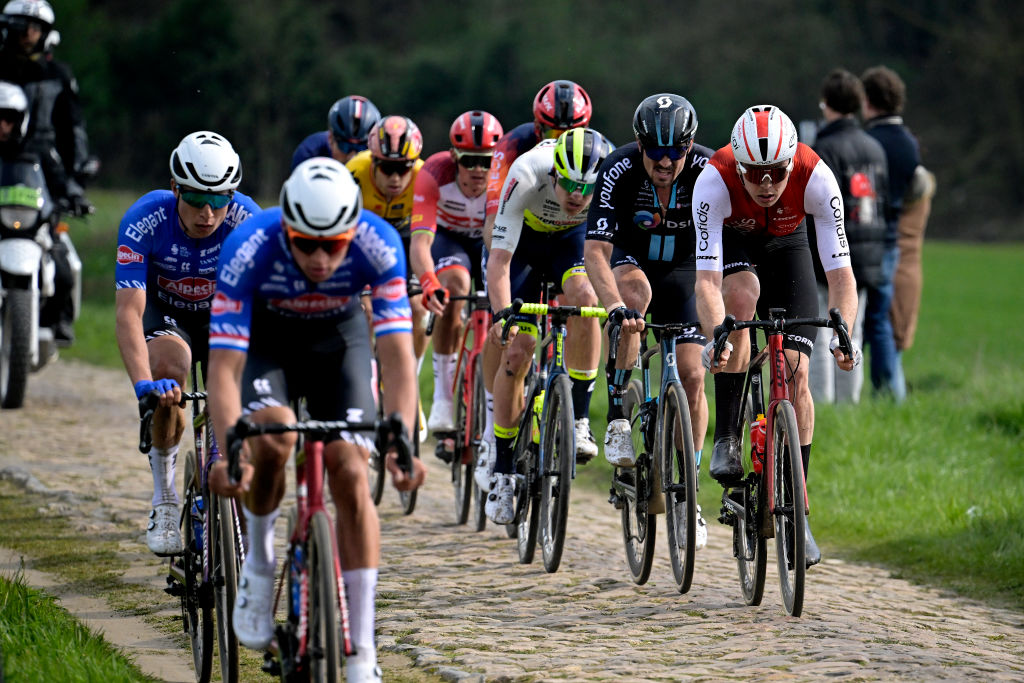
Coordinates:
[438,201]
[721,201]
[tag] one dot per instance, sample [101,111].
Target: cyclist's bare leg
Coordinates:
[691,372]
[583,336]
[268,455]
[448,330]
[419,330]
[508,381]
[169,358]
[357,527]
[800,393]
[739,292]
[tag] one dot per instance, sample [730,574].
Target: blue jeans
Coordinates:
[886,375]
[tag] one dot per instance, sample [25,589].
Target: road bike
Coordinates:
[665,461]
[545,449]
[205,575]
[470,412]
[315,634]
[771,501]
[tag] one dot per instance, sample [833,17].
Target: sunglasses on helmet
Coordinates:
[755,175]
[471,160]
[659,153]
[198,200]
[394,167]
[308,245]
[346,146]
[571,186]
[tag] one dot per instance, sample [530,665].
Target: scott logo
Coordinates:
[193,288]
[125,255]
[222,305]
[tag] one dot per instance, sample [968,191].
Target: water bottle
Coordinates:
[197,524]
[757,436]
[538,407]
[295,571]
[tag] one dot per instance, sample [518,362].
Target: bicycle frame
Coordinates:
[479,322]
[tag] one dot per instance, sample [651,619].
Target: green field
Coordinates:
[932,489]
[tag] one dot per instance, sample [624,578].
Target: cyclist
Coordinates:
[557,107]
[167,249]
[446,251]
[348,124]
[538,237]
[56,134]
[640,241]
[287,324]
[749,205]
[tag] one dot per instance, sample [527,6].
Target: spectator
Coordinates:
[858,162]
[884,94]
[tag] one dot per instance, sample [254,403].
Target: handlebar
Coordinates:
[778,323]
[391,426]
[147,407]
[559,313]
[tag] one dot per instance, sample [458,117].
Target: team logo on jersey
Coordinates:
[193,288]
[392,290]
[125,255]
[311,303]
[646,220]
[223,305]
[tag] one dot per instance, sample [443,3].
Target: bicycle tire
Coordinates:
[679,470]
[196,607]
[377,474]
[638,527]
[525,456]
[463,456]
[480,420]
[323,644]
[408,498]
[556,481]
[227,559]
[790,508]
[750,545]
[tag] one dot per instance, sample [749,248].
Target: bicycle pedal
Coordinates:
[615,499]
[174,588]
[271,665]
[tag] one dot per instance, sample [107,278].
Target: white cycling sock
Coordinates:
[161,463]
[489,420]
[261,540]
[361,593]
[444,368]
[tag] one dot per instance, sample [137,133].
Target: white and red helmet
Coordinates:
[763,136]
[475,131]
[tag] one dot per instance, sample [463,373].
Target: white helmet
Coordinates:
[321,198]
[13,97]
[206,161]
[38,10]
[763,136]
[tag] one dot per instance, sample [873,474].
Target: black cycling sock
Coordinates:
[582,390]
[728,401]
[805,455]
[617,381]
[503,457]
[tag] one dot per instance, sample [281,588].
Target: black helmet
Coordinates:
[351,119]
[665,120]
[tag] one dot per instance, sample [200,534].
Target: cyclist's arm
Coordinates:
[419,252]
[823,201]
[223,385]
[711,206]
[398,373]
[130,304]
[499,288]
[597,255]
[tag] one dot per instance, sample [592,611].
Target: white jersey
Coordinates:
[528,198]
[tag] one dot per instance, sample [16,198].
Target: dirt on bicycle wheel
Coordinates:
[452,601]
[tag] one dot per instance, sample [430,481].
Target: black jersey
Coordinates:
[626,212]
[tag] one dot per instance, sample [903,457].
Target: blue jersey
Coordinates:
[314,145]
[258,275]
[155,254]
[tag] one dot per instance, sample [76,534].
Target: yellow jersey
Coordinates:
[398,211]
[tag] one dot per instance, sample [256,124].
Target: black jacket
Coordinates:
[858,162]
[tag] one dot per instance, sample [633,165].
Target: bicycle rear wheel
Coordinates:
[463,457]
[323,644]
[675,452]
[479,422]
[227,558]
[638,527]
[196,605]
[556,482]
[790,508]
[527,498]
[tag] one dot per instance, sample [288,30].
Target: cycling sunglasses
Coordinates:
[471,161]
[571,186]
[394,167]
[198,200]
[755,175]
[347,146]
[550,133]
[308,245]
[659,153]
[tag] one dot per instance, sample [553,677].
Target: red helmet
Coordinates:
[475,131]
[395,137]
[562,105]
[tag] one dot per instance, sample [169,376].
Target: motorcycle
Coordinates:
[27,273]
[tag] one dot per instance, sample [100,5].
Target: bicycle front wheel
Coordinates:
[408,498]
[556,483]
[323,653]
[790,508]
[227,558]
[479,412]
[675,452]
[527,471]
[196,605]
[638,527]
[462,459]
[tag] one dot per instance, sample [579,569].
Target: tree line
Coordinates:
[265,73]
